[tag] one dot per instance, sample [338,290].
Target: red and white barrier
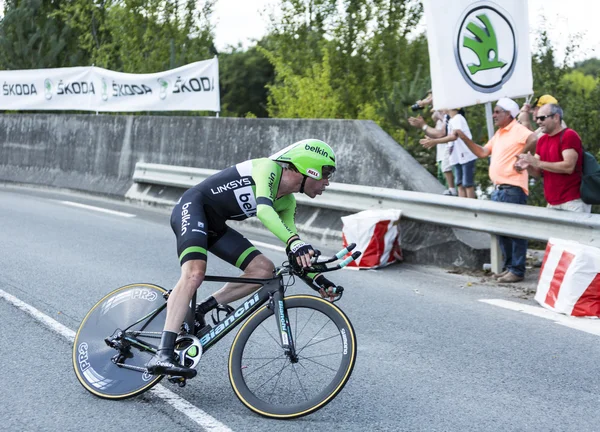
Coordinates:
[376,234]
[570,278]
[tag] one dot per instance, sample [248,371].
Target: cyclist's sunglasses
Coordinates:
[328,172]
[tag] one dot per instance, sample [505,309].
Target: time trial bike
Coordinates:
[292,355]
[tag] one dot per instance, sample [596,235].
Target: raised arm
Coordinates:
[524,116]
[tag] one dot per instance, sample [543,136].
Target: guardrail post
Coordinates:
[495,254]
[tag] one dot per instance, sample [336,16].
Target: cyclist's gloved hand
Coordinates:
[326,287]
[300,252]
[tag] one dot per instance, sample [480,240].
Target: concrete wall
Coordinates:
[98,153]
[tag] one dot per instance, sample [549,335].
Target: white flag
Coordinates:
[478,50]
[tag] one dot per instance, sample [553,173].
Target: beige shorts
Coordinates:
[446,167]
[576,205]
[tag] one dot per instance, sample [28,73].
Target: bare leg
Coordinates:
[462,192]
[471,192]
[449,178]
[260,267]
[192,275]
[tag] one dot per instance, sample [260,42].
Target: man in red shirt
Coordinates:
[559,159]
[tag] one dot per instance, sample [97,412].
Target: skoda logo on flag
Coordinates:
[48,88]
[164,85]
[485,46]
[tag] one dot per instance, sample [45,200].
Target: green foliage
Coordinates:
[134,36]
[589,67]
[307,95]
[244,76]
[579,83]
[31,37]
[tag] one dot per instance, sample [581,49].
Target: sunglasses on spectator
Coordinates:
[543,117]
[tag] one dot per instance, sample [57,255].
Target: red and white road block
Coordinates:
[570,278]
[376,234]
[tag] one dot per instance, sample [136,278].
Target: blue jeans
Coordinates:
[464,174]
[514,250]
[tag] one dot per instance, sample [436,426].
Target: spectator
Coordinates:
[524,116]
[559,158]
[461,158]
[441,130]
[510,183]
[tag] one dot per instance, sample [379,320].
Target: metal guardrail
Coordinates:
[495,218]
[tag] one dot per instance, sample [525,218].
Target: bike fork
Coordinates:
[283,325]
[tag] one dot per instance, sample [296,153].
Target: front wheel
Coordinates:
[92,357]
[269,383]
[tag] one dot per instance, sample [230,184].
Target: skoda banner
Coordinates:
[194,87]
[478,51]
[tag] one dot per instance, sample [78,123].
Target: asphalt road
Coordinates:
[431,355]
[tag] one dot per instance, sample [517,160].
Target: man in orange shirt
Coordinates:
[510,183]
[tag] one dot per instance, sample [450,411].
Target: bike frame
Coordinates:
[271,292]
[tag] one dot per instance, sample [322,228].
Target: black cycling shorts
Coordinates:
[199,229]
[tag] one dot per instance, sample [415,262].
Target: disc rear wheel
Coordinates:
[93,358]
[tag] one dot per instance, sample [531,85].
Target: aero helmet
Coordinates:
[311,157]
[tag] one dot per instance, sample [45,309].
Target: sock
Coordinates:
[453,190]
[207,305]
[167,342]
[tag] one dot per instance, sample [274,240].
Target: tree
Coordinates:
[244,77]
[31,37]
[307,95]
[589,67]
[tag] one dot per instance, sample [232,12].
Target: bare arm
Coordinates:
[524,118]
[531,143]
[436,133]
[529,162]
[431,132]
[567,166]
[479,151]
[444,139]
[535,166]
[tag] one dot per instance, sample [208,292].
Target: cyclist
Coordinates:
[257,187]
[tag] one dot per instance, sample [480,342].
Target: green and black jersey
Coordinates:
[244,190]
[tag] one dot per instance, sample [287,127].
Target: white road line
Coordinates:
[51,323]
[583,324]
[268,246]
[194,413]
[98,209]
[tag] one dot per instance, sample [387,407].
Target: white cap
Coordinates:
[509,105]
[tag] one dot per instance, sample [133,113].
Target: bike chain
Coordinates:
[156,335]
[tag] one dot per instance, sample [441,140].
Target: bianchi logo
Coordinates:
[485,46]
